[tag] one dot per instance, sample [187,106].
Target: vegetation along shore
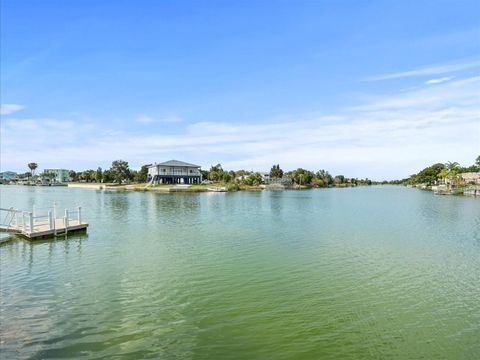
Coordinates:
[449,179]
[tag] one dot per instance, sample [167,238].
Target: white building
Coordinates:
[61,175]
[7,175]
[174,172]
[471,177]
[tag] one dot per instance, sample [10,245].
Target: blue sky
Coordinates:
[375,89]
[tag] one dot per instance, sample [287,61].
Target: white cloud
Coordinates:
[430,70]
[145,119]
[387,137]
[439,80]
[461,92]
[6,109]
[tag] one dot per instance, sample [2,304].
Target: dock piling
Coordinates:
[50,220]
[65,221]
[30,221]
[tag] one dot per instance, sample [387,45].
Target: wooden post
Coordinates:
[79,215]
[17,222]
[33,210]
[50,222]
[23,221]
[65,219]
[54,210]
[30,221]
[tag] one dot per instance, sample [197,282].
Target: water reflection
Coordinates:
[267,274]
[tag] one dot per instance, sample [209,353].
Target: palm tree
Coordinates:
[452,166]
[32,167]
[450,172]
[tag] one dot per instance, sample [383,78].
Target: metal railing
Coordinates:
[29,221]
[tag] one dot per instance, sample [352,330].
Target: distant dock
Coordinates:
[32,225]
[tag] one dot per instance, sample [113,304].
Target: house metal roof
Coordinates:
[176,163]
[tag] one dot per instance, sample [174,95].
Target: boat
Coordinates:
[217,189]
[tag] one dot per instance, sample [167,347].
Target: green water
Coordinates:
[363,273]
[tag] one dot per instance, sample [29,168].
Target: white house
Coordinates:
[7,175]
[61,175]
[174,172]
[471,177]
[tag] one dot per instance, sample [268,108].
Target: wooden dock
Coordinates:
[32,225]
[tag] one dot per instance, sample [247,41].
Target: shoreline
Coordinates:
[470,191]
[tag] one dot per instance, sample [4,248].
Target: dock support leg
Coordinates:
[30,221]
[65,221]
[79,215]
[50,220]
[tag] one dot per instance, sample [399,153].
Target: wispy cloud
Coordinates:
[6,109]
[439,80]
[386,137]
[430,70]
[146,119]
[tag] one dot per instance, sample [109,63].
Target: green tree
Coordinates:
[452,166]
[325,178]
[141,176]
[450,171]
[254,179]
[301,176]
[205,174]
[276,172]
[339,179]
[228,176]
[73,175]
[48,175]
[99,175]
[429,175]
[120,171]
[477,161]
[108,176]
[215,173]
[32,166]
[87,175]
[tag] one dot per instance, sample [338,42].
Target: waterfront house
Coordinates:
[61,175]
[6,176]
[471,177]
[174,172]
[265,177]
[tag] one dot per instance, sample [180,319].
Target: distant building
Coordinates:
[265,177]
[174,172]
[7,175]
[471,177]
[61,175]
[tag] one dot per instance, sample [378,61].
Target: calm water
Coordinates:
[365,273]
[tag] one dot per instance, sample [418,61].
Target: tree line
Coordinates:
[299,177]
[119,172]
[432,174]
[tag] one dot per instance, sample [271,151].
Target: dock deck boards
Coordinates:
[42,228]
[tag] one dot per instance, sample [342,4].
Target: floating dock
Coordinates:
[33,226]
